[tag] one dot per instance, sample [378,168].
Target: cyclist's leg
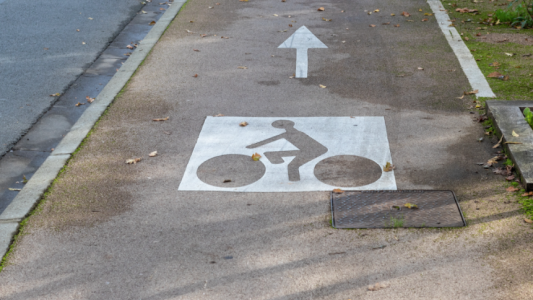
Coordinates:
[276,157]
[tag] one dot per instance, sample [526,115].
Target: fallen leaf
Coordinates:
[133,160]
[405,14]
[80,104]
[388,23]
[226,180]
[388,167]
[152,23]
[512,143]
[461,97]
[528,221]
[196,50]
[24,180]
[420,68]
[161,119]
[243,124]
[129,46]
[127,54]
[153,154]
[510,54]
[509,178]
[243,0]
[527,194]
[327,20]
[498,144]
[514,134]
[219,115]
[164,9]
[472,92]
[142,11]
[322,86]
[494,64]
[55,95]
[195,75]
[256,156]
[11,189]
[466,38]
[376,287]
[410,206]
[397,25]
[242,67]
[338,191]
[376,10]
[320,9]
[424,20]
[90,18]
[495,75]
[392,15]
[428,14]
[512,189]
[372,25]
[419,9]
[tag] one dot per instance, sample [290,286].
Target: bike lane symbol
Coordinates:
[299,154]
[308,148]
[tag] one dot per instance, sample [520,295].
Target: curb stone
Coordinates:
[32,192]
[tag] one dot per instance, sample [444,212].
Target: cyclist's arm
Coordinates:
[267,141]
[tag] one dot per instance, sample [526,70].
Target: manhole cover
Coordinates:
[386,209]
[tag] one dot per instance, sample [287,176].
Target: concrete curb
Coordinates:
[466,60]
[507,117]
[32,192]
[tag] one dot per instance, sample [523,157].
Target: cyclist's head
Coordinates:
[283,124]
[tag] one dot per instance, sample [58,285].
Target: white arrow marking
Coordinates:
[301,40]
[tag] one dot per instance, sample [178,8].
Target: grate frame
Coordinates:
[387,194]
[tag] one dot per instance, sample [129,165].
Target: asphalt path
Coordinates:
[42,53]
[197,221]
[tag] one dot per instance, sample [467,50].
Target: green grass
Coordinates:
[518,68]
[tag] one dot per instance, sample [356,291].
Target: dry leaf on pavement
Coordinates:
[411,205]
[55,95]
[376,287]
[79,104]
[388,23]
[196,50]
[372,25]
[509,178]
[152,23]
[498,144]
[242,67]
[405,14]
[322,86]
[320,9]
[133,160]
[243,124]
[515,134]
[472,92]
[528,221]
[89,99]
[219,115]
[388,167]
[527,194]
[327,20]
[424,20]
[512,189]
[161,119]
[397,25]
[153,154]
[338,191]
[256,156]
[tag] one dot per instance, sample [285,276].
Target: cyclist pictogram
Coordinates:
[298,154]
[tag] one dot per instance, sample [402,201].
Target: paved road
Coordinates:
[169,227]
[41,53]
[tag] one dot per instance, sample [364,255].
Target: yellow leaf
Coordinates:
[327,20]
[388,167]
[55,95]
[338,191]
[419,9]
[410,205]
[256,157]
[322,86]
[392,15]
[515,134]
[376,10]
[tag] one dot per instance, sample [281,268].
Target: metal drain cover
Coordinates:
[385,209]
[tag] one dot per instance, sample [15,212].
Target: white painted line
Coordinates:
[360,136]
[301,40]
[468,63]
